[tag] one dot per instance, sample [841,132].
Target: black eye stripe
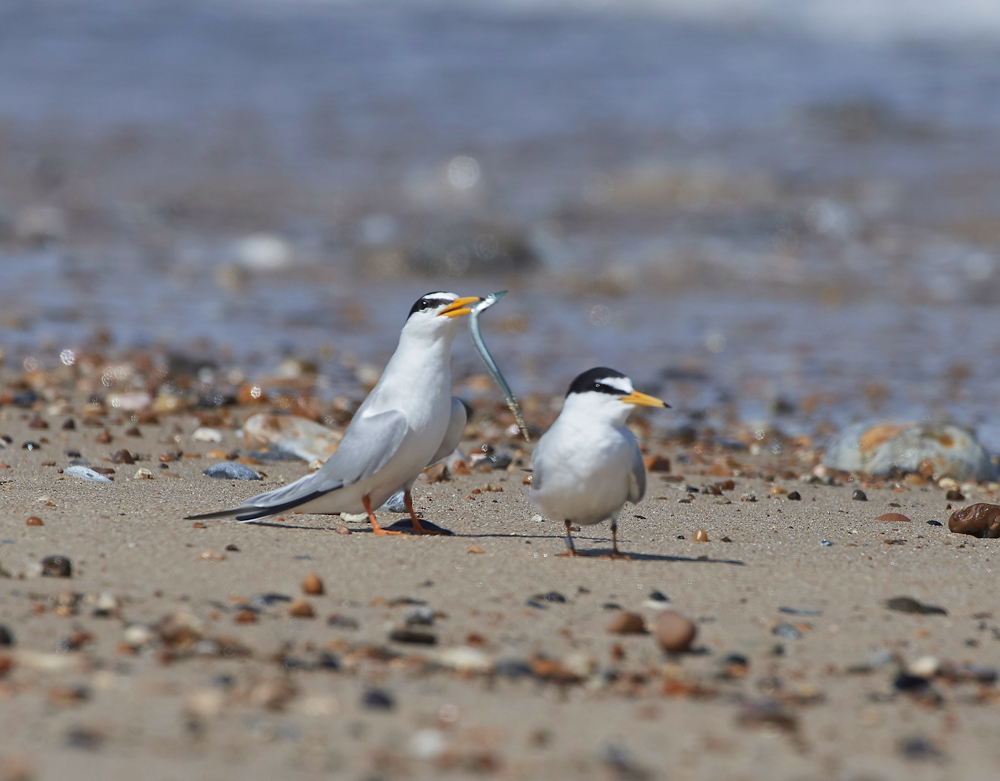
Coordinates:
[428,303]
[591,381]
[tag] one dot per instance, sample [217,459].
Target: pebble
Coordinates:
[272,693]
[466,659]
[550,596]
[795,496]
[919,748]
[268,599]
[674,632]
[825,543]
[211,555]
[103,437]
[766,713]
[86,473]
[6,636]
[57,567]
[311,584]
[123,457]
[626,623]
[786,631]
[300,608]
[34,520]
[204,434]
[342,530]
[512,668]
[142,474]
[427,744]
[413,636]
[977,520]
[859,495]
[893,518]
[911,605]
[700,535]
[377,699]
[954,495]
[420,616]
[230,470]
[800,611]
[934,523]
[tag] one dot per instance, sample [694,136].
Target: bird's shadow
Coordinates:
[404,525]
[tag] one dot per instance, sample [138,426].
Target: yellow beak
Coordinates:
[458,308]
[642,400]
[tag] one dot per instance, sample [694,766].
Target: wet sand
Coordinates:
[252,699]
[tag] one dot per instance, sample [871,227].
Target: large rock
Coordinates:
[879,449]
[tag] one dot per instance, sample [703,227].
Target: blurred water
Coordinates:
[792,198]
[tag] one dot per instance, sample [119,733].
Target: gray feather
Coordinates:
[367,446]
[637,477]
[456,425]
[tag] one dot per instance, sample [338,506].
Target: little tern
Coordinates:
[588,464]
[409,421]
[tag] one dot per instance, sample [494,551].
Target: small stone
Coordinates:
[700,535]
[377,699]
[57,567]
[626,623]
[86,473]
[766,713]
[69,424]
[133,431]
[211,555]
[272,693]
[300,608]
[412,636]
[859,495]
[142,474]
[934,523]
[204,434]
[123,457]
[311,584]
[795,496]
[475,549]
[977,520]
[826,543]
[911,605]
[230,470]
[6,636]
[244,616]
[893,518]
[919,748]
[34,520]
[37,422]
[787,631]
[954,495]
[31,446]
[550,596]
[420,616]
[656,463]
[437,473]
[674,632]
[342,530]
[103,437]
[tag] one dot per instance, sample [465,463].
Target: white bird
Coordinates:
[588,464]
[408,421]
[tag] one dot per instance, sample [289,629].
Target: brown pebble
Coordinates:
[311,584]
[34,520]
[342,530]
[656,463]
[69,424]
[212,555]
[123,457]
[727,485]
[198,525]
[460,468]
[103,437]
[893,518]
[437,473]
[701,536]
[245,617]
[979,520]
[674,632]
[526,480]
[133,431]
[475,549]
[301,609]
[626,623]
[954,495]
[37,422]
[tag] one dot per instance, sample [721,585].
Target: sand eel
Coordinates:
[408,421]
[587,465]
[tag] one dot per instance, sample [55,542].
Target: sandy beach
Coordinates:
[186,669]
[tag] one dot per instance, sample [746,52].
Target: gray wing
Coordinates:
[636,476]
[456,425]
[367,446]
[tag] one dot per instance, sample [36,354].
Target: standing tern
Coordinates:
[408,421]
[587,465]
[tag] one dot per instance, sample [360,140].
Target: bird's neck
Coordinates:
[419,369]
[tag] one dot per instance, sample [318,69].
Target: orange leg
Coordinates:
[417,528]
[615,553]
[376,529]
[570,547]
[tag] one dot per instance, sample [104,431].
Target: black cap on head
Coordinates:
[430,301]
[592,380]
